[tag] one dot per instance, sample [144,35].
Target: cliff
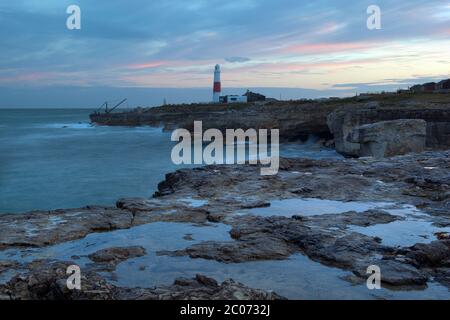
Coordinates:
[297,120]
[434,109]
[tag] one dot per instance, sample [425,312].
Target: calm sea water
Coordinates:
[53,159]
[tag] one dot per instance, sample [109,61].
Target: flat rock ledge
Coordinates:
[213,194]
[108,259]
[46,280]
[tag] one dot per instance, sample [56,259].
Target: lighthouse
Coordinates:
[217,86]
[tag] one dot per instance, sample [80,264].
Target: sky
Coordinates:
[150,50]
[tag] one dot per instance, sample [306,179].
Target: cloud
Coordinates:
[176,43]
[237,59]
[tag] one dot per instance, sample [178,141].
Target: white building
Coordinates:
[233,99]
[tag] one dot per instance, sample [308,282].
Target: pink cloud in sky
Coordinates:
[147,65]
[327,47]
[329,27]
[26,77]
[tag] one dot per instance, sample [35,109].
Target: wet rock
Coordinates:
[395,273]
[344,252]
[435,254]
[258,238]
[108,259]
[235,252]
[46,280]
[41,228]
[362,219]
[442,235]
[301,190]
[259,204]
[7,265]
[442,275]
[188,237]
[227,189]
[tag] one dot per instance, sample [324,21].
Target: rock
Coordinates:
[435,254]
[442,235]
[188,237]
[372,105]
[301,190]
[259,204]
[295,120]
[362,219]
[109,258]
[46,280]
[7,265]
[41,228]
[206,281]
[389,138]
[236,252]
[442,275]
[415,179]
[396,274]
[275,238]
[345,119]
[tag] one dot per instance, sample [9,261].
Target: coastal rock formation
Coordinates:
[435,254]
[46,280]
[108,259]
[8,265]
[42,228]
[297,120]
[389,138]
[294,120]
[229,194]
[318,237]
[344,120]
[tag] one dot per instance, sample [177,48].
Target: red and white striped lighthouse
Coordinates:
[217,86]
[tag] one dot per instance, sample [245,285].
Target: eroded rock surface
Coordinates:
[46,280]
[227,194]
[317,237]
[108,259]
[390,138]
[42,228]
[345,119]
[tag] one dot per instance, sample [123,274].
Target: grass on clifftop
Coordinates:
[406,100]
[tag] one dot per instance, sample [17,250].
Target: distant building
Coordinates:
[417,88]
[444,85]
[233,99]
[429,87]
[254,97]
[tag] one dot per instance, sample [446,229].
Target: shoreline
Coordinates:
[386,204]
[213,195]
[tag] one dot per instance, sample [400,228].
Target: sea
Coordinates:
[56,159]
